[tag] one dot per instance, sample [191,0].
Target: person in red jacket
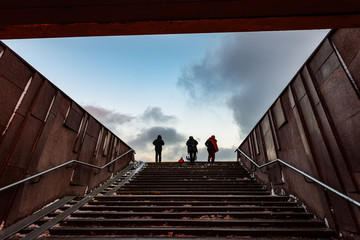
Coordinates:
[212,148]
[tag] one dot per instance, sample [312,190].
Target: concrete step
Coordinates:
[215,172]
[247,183]
[236,177]
[195,181]
[187,232]
[192,203]
[209,184]
[188,208]
[192,188]
[192,215]
[189,171]
[92,222]
[192,192]
[189,198]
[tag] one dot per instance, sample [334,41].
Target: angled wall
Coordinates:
[40,128]
[314,125]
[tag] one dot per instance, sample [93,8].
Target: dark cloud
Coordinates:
[249,71]
[110,118]
[174,146]
[247,110]
[146,137]
[157,115]
[142,142]
[175,152]
[224,154]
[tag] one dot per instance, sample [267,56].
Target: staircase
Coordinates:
[178,200]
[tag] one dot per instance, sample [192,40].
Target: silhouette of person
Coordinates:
[158,148]
[212,148]
[192,149]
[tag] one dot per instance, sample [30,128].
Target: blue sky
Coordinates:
[174,85]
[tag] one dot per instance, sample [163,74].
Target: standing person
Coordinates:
[212,148]
[158,148]
[192,149]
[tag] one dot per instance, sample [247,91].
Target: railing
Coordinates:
[302,173]
[63,165]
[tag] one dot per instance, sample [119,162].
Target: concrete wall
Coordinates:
[314,125]
[41,127]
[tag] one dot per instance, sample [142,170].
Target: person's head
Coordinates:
[191,137]
[159,137]
[213,136]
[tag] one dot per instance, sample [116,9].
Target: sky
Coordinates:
[175,86]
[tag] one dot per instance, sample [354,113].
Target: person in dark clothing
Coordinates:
[192,149]
[158,148]
[212,148]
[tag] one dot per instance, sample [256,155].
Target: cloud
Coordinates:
[147,136]
[116,121]
[137,133]
[110,118]
[156,114]
[142,138]
[224,154]
[174,142]
[248,71]
[247,110]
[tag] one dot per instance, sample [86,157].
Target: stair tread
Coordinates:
[199,220]
[234,203]
[173,214]
[191,208]
[207,231]
[190,192]
[201,229]
[195,196]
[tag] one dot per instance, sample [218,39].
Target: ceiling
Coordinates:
[70,18]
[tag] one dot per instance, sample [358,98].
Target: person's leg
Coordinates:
[156,156]
[212,156]
[159,156]
[191,157]
[209,156]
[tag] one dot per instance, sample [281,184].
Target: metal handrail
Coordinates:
[304,174]
[63,165]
